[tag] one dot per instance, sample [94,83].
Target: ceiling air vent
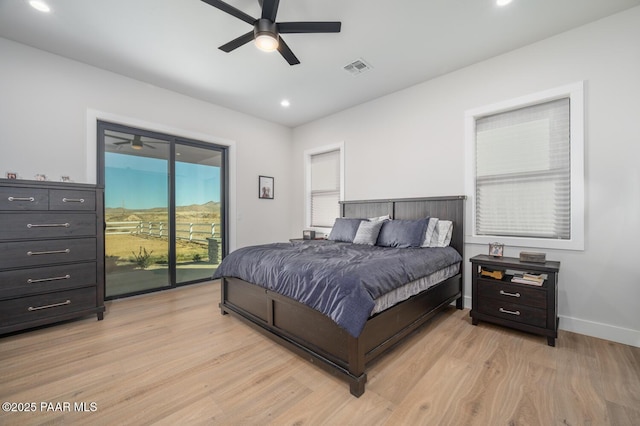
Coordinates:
[357,67]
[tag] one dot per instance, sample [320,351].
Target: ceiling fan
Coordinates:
[266,31]
[135,143]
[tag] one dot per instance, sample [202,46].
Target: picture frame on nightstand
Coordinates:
[496,249]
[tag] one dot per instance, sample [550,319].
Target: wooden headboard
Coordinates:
[446,208]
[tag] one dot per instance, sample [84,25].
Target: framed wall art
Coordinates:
[265,187]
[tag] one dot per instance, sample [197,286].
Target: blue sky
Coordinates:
[141,183]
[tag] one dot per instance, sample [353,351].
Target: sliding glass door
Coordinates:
[197,215]
[164,209]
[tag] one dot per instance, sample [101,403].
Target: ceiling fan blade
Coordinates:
[146,145]
[308,27]
[286,53]
[231,10]
[122,143]
[234,44]
[270,9]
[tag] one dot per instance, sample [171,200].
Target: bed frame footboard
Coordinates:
[316,338]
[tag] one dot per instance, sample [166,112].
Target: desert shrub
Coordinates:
[143,258]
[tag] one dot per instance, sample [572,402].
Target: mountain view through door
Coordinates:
[163,211]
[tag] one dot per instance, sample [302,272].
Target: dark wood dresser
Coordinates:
[51,253]
[524,307]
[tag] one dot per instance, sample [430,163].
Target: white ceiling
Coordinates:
[174,44]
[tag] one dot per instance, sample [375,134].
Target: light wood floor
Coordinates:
[171,358]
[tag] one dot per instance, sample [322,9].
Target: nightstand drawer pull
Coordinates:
[36,253]
[504,311]
[55,305]
[504,293]
[31,199]
[48,225]
[73,200]
[42,280]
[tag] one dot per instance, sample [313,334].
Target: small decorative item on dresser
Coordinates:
[12,175]
[530,256]
[496,249]
[308,235]
[41,177]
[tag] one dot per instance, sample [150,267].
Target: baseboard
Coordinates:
[601,331]
[590,328]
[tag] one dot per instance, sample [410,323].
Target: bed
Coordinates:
[345,351]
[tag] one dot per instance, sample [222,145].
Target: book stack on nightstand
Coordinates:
[516,294]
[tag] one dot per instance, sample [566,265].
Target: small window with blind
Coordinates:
[324,186]
[527,162]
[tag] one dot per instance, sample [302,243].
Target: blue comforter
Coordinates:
[341,280]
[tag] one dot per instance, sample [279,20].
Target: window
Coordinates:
[526,158]
[324,185]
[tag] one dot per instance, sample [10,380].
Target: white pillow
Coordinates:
[431,227]
[442,234]
[379,218]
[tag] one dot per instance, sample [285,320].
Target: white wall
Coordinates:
[47,104]
[411,144]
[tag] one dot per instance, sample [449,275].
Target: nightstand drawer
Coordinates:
[20,226]
[47,252]
[512,293]
[25,282]
[514,312]
[15,311]
[13,199]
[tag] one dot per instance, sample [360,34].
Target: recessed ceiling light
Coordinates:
[503,2]
[40,5]
[285,103]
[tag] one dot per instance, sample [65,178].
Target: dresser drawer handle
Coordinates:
[42,280]
[31,199]
[36,253]
[54,305]
[504,293]
[48,225]
[73,200]
[504,311]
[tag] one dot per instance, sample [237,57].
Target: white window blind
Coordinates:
[523,172]
[325,188]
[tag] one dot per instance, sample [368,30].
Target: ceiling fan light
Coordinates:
[136,144]
[40,5]
[266,42]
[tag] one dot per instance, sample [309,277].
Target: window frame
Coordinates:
[575,92]
[307,181]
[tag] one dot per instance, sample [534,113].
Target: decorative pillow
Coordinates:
[402,233]
[431,228]
[368,232]
[442,234]
[344,229]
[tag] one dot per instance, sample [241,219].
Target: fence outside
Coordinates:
[187,231]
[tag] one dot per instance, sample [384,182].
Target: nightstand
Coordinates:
[524,307]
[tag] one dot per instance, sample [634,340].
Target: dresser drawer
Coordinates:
[21,199]
[520,294]
[47,252]
[25,282]
[16,226]
[514,312]
[15,311]
[63,199]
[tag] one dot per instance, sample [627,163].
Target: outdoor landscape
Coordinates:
[138,237]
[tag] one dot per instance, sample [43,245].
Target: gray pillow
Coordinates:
[402,233]
[368,232]
[344,229]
